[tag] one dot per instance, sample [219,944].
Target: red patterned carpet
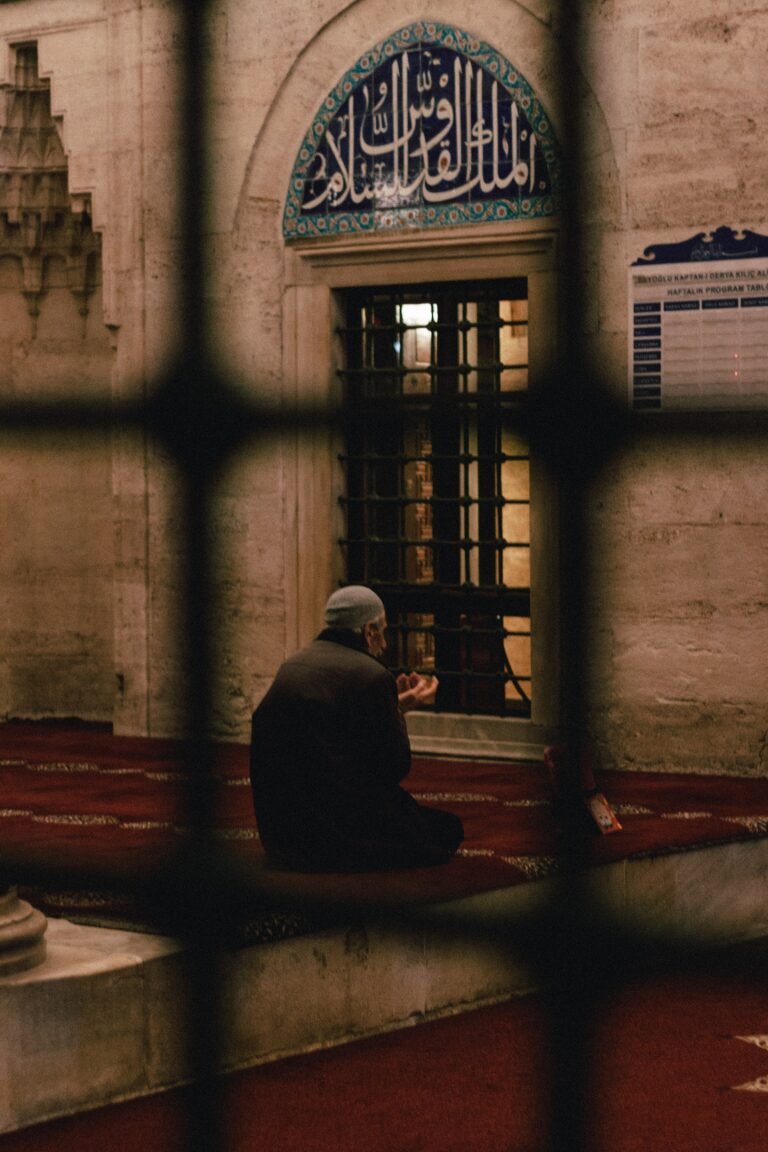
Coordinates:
[75,797]
[681,1065]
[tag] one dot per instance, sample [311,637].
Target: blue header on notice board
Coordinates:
[722,244]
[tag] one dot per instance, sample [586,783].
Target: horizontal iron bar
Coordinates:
[463,325]
[430,370]
[431,458]
[433,599]
[461,501]
[465,542]
[471,674]
[436,630]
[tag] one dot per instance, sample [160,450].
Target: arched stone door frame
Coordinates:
[300,280]
[314,272]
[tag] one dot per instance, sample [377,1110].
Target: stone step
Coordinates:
[100,1020]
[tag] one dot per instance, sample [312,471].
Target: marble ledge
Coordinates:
[78,950]
[477,737]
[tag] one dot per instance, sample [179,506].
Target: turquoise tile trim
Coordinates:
[368,163]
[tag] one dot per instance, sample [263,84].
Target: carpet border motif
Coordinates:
[761,1083]
[75,767]
[534,867]
[686,815]
[754,824]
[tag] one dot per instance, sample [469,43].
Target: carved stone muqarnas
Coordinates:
[41,224]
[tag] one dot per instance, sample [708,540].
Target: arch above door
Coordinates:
[430,127]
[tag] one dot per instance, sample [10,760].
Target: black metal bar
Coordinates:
[572,998]
[463,501]
[432,541]
[214,424]
[429,458]
[203,986]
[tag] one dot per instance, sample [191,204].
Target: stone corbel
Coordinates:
[77,224]
[33,285]
[81,295]
[31,231]
[33,307]
[80,280]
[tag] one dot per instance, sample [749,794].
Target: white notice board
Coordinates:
[698,328]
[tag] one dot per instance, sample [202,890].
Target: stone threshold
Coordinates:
[477,737]
[100,1020]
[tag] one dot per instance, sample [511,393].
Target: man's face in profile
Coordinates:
[375,636]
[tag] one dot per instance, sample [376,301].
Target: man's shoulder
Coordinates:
[327,654]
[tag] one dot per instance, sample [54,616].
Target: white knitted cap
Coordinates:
[352,607]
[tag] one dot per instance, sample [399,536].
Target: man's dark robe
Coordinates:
[329,749]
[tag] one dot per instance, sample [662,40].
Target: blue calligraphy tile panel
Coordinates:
[430,128]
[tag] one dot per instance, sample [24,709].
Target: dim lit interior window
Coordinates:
[437,500]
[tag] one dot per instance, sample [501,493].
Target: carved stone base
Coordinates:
[22,929]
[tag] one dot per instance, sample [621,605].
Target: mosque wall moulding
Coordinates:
[40,222]
[430,128]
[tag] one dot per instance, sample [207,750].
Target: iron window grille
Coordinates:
[437,500]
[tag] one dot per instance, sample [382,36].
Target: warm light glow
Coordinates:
[416,315]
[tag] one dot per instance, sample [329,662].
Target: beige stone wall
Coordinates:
[681,533]
[56,514]
[681,555]
[675,99]
[56,561]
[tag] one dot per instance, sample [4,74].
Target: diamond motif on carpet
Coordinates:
[761,1084]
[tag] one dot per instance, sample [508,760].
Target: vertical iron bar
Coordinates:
[194,186]
[401,531]
[571,1002]
[465,523]
[446,444]
[386,441]
[203,991]
[571,384]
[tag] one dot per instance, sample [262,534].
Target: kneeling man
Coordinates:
[329,748]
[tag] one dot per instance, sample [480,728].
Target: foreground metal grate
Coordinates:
[575,427]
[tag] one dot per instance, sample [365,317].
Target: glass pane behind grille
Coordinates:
[438,501]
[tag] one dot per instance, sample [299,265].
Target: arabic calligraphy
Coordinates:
[714,251]
[430,126]
[722,244]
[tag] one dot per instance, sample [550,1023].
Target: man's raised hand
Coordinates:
[415,691]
